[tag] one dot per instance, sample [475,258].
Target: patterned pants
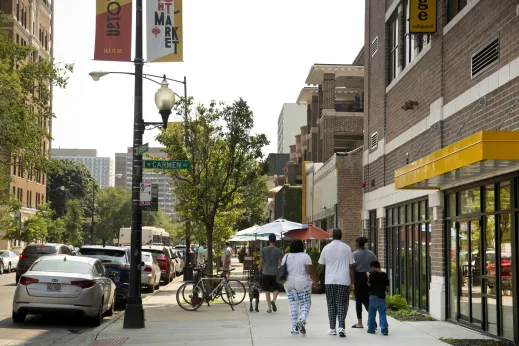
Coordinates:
[299,295]
[338,299]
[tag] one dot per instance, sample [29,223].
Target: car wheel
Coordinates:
[110,311]
[98,319]
[9,268]
[17,279]
[1,268]
[150,288]
[19,317]
[157,285]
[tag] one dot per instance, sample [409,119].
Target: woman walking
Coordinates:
[363,259]
[298,285]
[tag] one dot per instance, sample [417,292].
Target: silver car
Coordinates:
[65,284]
[150,272]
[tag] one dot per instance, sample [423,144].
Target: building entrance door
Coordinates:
[470,274]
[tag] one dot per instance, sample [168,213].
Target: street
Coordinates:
[37,330]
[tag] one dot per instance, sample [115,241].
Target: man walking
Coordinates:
[270,261]
[200,258]
[226,260]
[339,279]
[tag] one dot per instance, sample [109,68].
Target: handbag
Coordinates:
[282,273]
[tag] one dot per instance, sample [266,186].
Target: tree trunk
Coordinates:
[209,235]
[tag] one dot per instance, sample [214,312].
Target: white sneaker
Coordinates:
[294,330]
[332,332]
[342,333]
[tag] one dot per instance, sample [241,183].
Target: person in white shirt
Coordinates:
[339,279]
[298,285]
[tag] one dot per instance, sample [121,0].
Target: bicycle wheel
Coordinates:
[190,296]
[238,291]
[227,296]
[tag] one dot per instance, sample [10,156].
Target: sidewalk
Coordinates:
[168,324]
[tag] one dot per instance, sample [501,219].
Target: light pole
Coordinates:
[134,313]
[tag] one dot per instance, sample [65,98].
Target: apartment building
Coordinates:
[290,120]
[101,168]
[120,169]
[167,198]
[327,151]
[440,159]
[30,23]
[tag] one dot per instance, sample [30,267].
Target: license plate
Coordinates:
[53,287]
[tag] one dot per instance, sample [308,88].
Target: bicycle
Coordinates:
[200,293]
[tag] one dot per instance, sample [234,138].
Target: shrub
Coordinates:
[314,255]
[396,303]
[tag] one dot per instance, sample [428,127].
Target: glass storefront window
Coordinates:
[470,201]
[409,253]
[505,249]
[504,196]
[453,275]
[489,198]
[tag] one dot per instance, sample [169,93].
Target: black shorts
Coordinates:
[269,283]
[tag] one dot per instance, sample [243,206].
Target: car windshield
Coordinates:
[105,255]
[146,257]
[4,254]
[17,251]
[154,253]
[40,250]
[62,266]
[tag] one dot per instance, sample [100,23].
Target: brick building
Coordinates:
[441,158]
[29,23]
[330,156]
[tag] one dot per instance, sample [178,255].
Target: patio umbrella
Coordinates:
[278,227]
[247,231]
[311,232]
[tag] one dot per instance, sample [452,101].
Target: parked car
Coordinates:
[150,272]
[181,257]
[177,262]
[8,261]
[65,284]
[116,261]
[34,251]
[166,263]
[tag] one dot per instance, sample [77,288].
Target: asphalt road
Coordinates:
[38,330]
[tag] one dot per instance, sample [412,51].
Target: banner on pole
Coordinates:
[113,30]
[164,31]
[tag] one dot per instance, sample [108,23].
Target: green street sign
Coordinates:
[142,149]
[167,164]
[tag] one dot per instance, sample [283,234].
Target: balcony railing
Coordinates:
[349,107]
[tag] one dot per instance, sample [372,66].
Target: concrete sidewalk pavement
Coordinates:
[168,324]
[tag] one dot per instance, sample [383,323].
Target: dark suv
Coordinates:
[34,251]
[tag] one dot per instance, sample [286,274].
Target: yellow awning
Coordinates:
[483,152]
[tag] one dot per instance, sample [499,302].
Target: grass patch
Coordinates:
[397,308]
[472,342]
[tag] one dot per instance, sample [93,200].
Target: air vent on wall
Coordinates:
[374,46]
[485,58]
[374,140]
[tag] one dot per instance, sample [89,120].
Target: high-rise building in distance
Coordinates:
[101,168]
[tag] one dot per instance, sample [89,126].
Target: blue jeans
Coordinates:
[377,304]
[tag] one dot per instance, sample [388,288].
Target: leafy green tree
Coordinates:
[68,180]
[74,223]
[158,219]
[254,203]
[113,209]
[225,156]
[25,111]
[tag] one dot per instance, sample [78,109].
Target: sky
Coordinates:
[261,51]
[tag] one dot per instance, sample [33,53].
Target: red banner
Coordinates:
[113,30]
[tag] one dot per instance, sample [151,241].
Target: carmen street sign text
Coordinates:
[167,164]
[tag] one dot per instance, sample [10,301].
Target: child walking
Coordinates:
[378,281]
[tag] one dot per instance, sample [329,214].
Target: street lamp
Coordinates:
[165,100]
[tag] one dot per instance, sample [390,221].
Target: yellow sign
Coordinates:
[422,16]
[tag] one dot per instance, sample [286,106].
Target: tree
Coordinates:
[25,109]
[114,209]
[74,222]
[254,203]
[77,183]
[158,219]
[225,156]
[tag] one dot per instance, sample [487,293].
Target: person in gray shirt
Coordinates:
[270,261]
[363,258]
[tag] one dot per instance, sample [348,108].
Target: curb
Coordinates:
[93,334]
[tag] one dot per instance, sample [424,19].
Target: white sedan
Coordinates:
[150,272]
[65,284]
